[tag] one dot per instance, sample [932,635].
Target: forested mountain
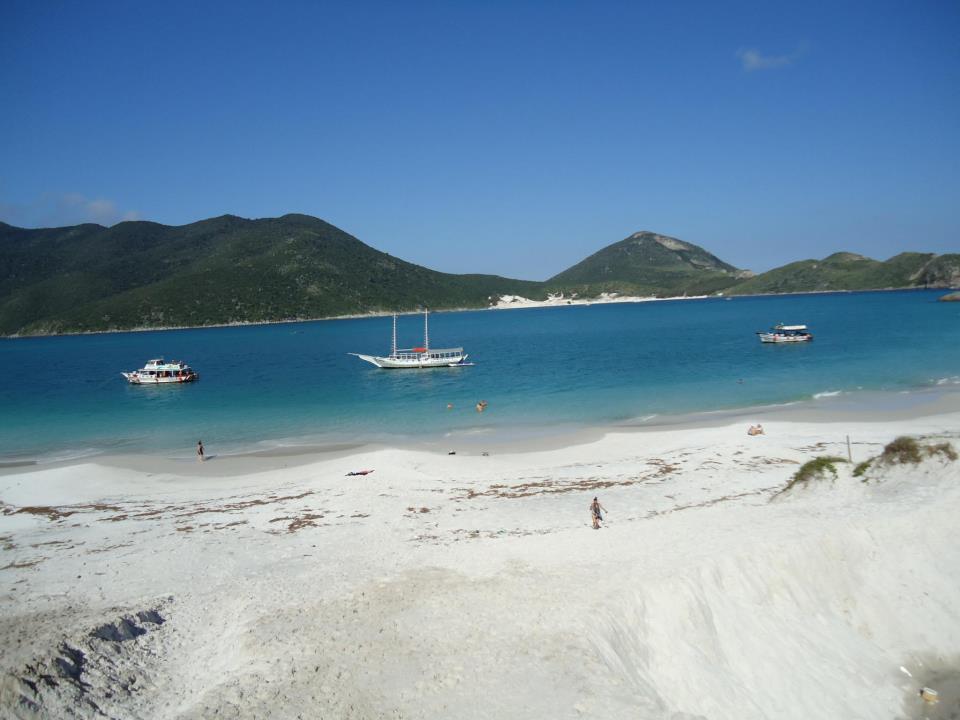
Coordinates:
[221,270]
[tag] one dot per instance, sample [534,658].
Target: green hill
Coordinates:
[848,271]
[222,270]
[649,264]
[228,269]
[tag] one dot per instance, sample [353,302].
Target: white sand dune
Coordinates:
[507,302]
[469,586]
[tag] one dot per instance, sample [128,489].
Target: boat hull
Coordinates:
[135,379]
[773,338]
[388,363]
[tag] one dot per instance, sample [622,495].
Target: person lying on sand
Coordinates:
[755,430]
[595,508]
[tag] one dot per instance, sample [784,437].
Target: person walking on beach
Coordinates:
[595,508]
[200,450]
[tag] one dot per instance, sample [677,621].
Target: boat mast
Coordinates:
[426,332]
[393,347]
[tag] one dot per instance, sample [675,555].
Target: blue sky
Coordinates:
[504,137]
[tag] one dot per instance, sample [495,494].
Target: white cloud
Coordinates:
[56,210]
[752,59]
[101,211]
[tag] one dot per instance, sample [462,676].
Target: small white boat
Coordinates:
[786,334]
[159,372]
[418,357]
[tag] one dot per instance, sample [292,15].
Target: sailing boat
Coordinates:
[418,357]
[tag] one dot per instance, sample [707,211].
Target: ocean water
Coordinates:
[553,368]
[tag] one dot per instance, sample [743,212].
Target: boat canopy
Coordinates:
[791,327]
[430,350]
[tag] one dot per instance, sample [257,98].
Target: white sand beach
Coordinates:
[508,302]
[473,586]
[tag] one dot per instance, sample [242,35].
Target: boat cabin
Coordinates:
[452,354]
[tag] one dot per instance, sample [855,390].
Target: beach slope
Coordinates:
[473,586]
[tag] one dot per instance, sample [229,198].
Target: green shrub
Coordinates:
[945,449]
[905,450]
[814,469]
[901,451]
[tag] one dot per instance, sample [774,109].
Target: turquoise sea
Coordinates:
[552,368]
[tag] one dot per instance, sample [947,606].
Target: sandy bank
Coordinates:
[472,586]
[508,302]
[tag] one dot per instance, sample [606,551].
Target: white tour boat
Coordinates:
[158,372]
[786,334]
[418,357]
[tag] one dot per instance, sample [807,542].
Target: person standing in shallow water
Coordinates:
[200,450]
[595,508]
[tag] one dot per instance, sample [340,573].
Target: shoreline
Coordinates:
[852,408]
[533,304]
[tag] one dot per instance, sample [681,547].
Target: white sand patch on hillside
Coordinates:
[506,302]
[473,587]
